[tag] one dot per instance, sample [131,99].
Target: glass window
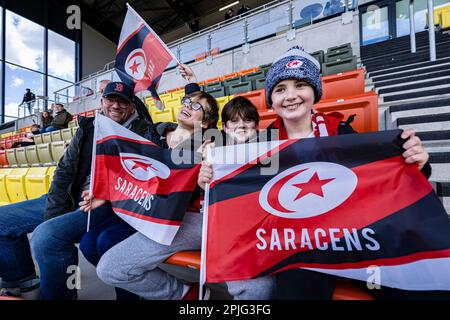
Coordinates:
[61,56]
[64,96]
[16,81]
[24,42]
[375,25]
[402,17]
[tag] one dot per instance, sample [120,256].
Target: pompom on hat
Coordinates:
[294,64]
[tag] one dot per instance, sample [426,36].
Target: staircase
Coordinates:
[415,93]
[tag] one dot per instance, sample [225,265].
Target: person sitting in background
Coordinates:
[46,119]
[229,14]
[60,120]
[35,129]
[28,140]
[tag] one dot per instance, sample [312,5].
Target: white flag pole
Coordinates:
[154,33]
[91,178]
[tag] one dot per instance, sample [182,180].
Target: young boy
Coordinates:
[293,86]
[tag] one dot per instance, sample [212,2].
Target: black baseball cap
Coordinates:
[119,89]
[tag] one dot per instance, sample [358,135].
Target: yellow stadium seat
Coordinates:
[165,96]
[171,103]
[175,112]
[149,102]
[37,182]
[4,198]
[38,139]
[162,116]
[44,153]
[21,156]
[178,94]
[57,150]
[56,135]
[222,101]
[11,156]
[74,130]
[32,156]
[66,134]
[445,21]
[50,173]
[15,184]
[47,137]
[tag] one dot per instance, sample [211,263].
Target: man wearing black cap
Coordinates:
[56,221]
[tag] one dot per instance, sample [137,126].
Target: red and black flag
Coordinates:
[146,187]
[336,205]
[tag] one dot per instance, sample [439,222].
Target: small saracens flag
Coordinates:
[336,205]
[146,188]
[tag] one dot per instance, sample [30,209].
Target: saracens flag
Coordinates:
[336,205]
[141,56]
[146,188]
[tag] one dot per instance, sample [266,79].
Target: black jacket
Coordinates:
[75,166]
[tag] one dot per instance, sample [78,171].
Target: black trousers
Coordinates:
[301,284]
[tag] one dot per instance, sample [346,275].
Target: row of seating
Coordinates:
[338,59]
[441,17]
[58,135]
[44,154]
[20,184]
[7,141]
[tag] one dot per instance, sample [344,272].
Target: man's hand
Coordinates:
[89,202]
[206,174]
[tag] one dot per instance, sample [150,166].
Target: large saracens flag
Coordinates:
[336,205]
[146,188]
[141,56]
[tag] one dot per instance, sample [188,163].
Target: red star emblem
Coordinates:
[141,165]
[134,67]
[314,185]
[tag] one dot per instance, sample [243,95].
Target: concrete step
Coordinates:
[440,171]
[416,93]
[412,71]
[417,112]
[440,74]
[442,189]
[408,67]
[419,84]
[420,104]
[435,122]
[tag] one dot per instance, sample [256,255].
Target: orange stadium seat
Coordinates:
[211,80]
[364,106]
[230,75]
[345,290]
[200,56]
[257,97]
[266,118]
[343,85]
[3,159]
[247,71]
[8,143]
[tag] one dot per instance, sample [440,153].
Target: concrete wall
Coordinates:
[97,51]
[315,37]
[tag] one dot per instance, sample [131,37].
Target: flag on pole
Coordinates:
[141,56]
[336,205]
[146,188]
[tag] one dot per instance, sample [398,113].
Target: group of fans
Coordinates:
[130,261]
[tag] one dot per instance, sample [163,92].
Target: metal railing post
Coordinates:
[431,35]
[412,28]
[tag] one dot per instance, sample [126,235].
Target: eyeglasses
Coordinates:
[192,104]
[120,102]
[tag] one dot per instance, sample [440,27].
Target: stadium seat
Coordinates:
[175,112]
[319,56]
[266,118]
[216,93]
[15,184]
[190,259]
[221,102]
[338,66]
[247,71]
[50,173]
[11,156]
[56,135]
[32,156]
[37,182]
[73,123]
[2,145]
[230,81]
[178,94]
[213,85]
[338,55]
[162,116]
[230,76]
[66,134]
[257,97]
[212,80]
[260,84]
[339,48]
[364,106]
[4,198]
[173,102]
[239,88]
[38,139]
[343,85]
[3,159]
[8,143]
[47,137]
[44,153]
[265,67]
[445,19]
[57,150]
[254,76]
[21,157]
[74,130]
[165,96]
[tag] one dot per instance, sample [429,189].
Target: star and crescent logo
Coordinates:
[294,64]
[136,64]
[307,190]
[143,168]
